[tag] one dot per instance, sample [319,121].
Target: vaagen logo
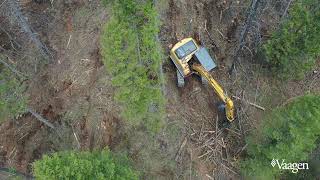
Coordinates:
[294,167]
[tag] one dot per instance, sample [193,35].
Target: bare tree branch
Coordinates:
[12,69]
[243,34]
[13,5]
[286,10]
[40,118]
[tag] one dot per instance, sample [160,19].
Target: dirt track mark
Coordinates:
[172,15]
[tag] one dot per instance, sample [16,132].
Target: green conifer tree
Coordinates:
[290,132]
[294,48]
[99,165]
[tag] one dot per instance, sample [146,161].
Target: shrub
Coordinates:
[289,133]
[294,48]
[12,100]
[132,55]
[83,165]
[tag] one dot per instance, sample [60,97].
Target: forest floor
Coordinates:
[74,91]
[73,88]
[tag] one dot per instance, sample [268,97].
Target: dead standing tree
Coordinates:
[16,12]
[260,12]
[244,32]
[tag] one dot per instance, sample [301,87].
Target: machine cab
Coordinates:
[182,53]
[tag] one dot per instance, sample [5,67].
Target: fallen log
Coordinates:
[14,7]
[252,104]
[40,118]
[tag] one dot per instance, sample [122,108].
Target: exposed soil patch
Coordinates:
[72,92]
[22,142]
[215,24]
[210,23]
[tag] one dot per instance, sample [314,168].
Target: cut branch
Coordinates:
[228,168]
[181,148]
[12,69]
[40,118]
[209,35]
[252,104]
[286,10]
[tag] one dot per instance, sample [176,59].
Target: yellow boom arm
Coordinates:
[218,89]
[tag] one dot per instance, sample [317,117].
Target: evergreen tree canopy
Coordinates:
[83,166]
[289,133]
[295,47]
[132,55]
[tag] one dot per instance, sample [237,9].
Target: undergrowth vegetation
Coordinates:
[12,100]
[132,55]
[294,48]
[84,165]
[289,132]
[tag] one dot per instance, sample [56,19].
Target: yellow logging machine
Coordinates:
[190,58]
